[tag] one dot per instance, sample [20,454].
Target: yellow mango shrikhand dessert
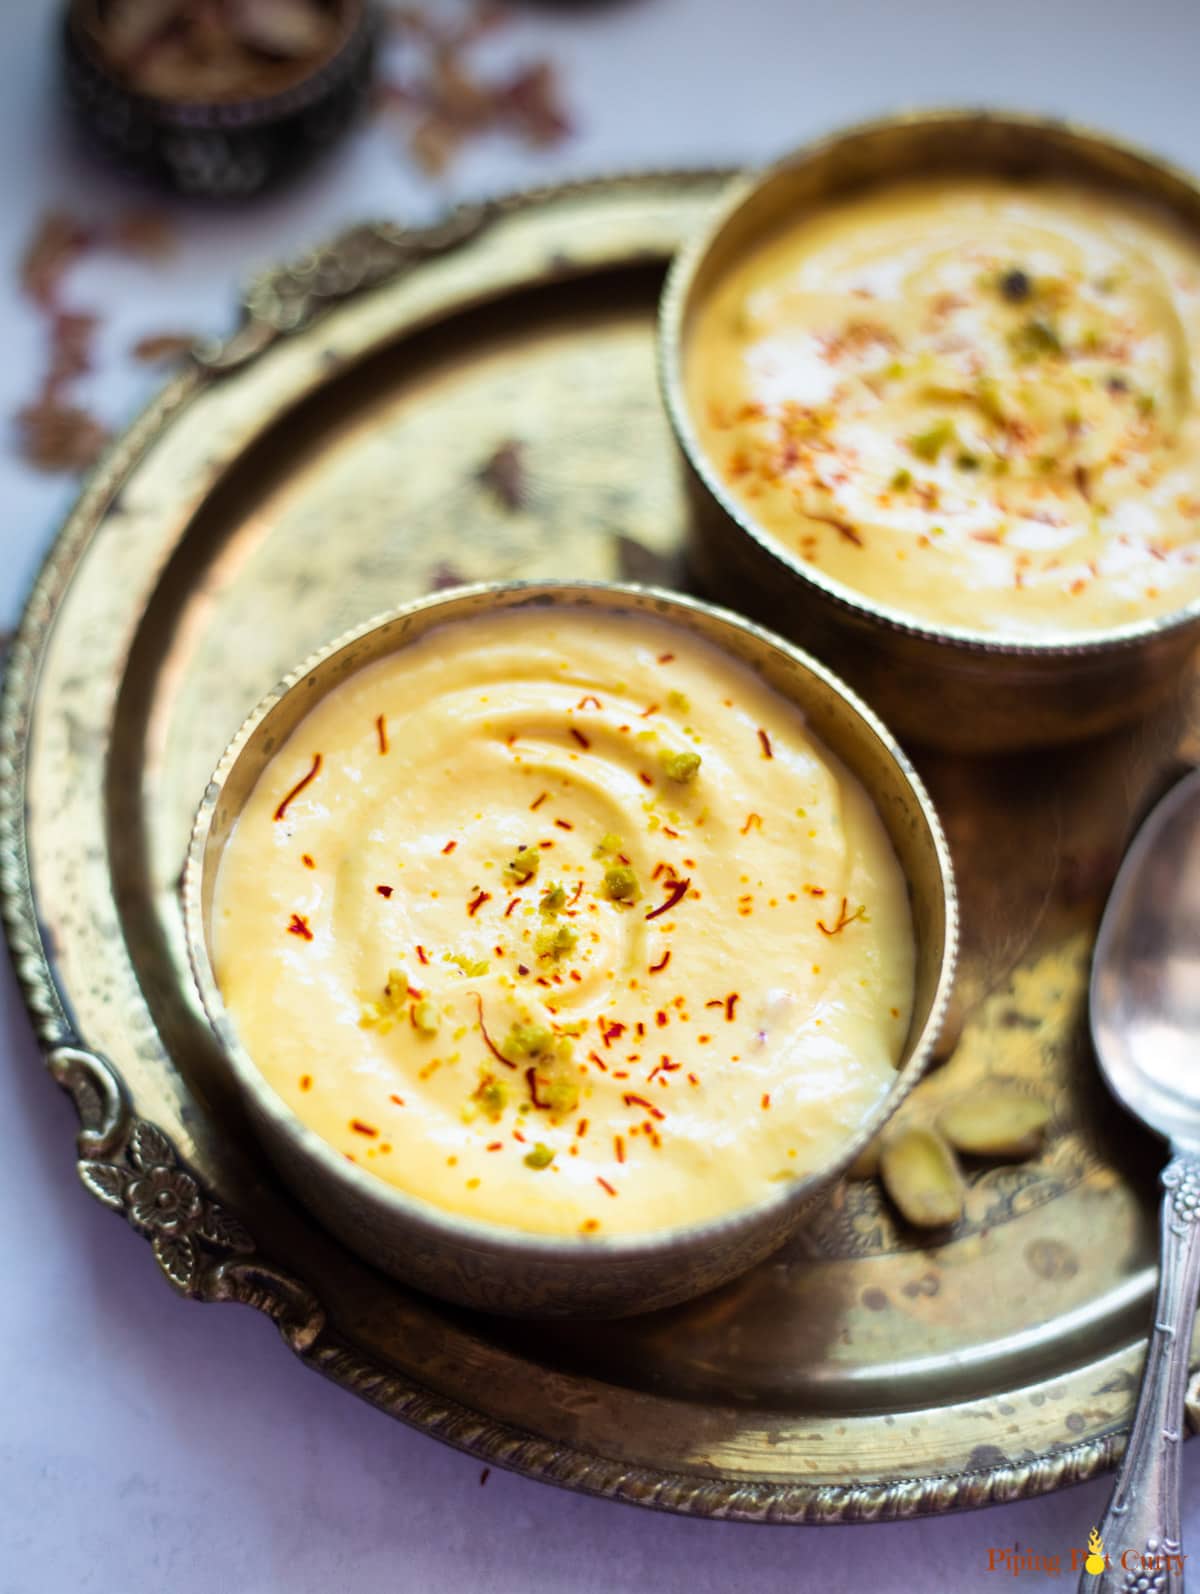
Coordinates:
[972,401]
[566,923]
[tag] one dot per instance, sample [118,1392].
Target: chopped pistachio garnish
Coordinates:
[553,899]
[1035,338]
[680,767]
[526,1041]
[1146,403]
[967,461]
[620,883]
[677,701]
[560,1094]
[491,1096]
[554,941]
[608,845]
[901,480]
[522,866]
[469,966]
[426,1017]
[929,444]
[390,1005]
[540,1157]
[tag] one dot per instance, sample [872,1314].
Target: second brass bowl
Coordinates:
[500,1269]
[947,686]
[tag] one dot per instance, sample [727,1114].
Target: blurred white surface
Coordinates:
[149,1443]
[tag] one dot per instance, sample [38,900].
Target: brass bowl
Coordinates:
[499,1269]
[227,148]
[948,686]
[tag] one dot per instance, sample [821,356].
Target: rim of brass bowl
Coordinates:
[503,1269]
[912,144]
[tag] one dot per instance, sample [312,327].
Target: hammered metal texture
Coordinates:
[335,462]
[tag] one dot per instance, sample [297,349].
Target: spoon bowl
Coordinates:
[1145,1013]
[1145,992]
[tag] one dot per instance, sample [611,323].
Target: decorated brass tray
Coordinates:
[407,410]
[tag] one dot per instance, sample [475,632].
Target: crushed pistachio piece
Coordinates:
[426,1017]
[621,883]
[902,480]
[389,1007]
[608,845]
[469,966]
[540,1157]
[491,1096]
[522,866]
[527,1041]
[554,898]
[929,444]
[560,1094]
[677,701]
[1034,339]
[680,767]
[554,941]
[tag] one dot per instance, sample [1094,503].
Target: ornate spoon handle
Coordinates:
[1140,1530]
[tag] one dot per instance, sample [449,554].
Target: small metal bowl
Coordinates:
[218,149]
[948,687]
[498,1269]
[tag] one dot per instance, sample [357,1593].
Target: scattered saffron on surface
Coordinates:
[381,732]
[477,902]
[538,801]
[753,821]
[666,658]
[305,1081]
[299,926]
[657,968]
[384,891]
[579,737]
[605,1186]
[299,786]
[487,1039]
[843,919]
[731,1002]
[511,906]
[421,954]
[768,750]
[619,1148]
[766,1101]
[307,859]
[631,1100]
[675,893]
[449,848]
[361,1128]
[564,824]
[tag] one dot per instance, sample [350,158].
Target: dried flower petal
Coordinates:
[145,233]
[57,242]
[58,437]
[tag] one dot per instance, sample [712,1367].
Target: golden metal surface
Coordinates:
[303,475]
[480,1265]
[948,686]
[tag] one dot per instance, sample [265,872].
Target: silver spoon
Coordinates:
[1145,1009]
